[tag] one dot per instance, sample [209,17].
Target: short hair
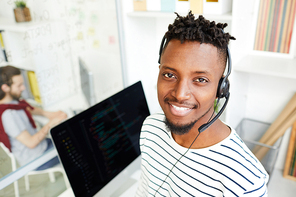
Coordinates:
[190,29]
[6,74]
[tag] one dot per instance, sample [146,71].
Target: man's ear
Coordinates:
[5,88]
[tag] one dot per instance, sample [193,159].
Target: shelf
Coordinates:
[26,64]
[9,24]
[267,65]
[158,14]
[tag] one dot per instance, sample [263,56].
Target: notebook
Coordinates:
[99,147]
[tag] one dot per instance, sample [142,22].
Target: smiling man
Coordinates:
[186,150]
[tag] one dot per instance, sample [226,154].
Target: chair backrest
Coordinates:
[10,155]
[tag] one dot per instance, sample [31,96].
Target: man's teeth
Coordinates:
[180,108]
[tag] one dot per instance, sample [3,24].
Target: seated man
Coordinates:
[17,128]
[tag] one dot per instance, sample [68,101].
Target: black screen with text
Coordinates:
[97,144]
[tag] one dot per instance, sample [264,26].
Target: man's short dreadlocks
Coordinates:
[190,29]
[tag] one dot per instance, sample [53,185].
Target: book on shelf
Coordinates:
[196,6]
[275,23]
[27,93]
[140,5]
[4,56]
[292,170]
[34,86]
[290,164]
[217,6]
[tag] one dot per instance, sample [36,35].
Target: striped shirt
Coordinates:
[227,168]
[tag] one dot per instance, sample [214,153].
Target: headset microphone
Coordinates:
[206,125]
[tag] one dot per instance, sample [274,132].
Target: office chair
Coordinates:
[13,167]
[50,171]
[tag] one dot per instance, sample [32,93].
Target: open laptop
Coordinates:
[99,147]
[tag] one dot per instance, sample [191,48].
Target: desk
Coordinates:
[124,192]
[278,186]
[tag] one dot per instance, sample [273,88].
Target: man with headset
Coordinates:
[186,150]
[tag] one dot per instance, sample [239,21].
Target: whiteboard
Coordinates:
[59,33]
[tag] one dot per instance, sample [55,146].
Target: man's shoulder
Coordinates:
[9,105]
[155,123]
[159,116]
[10,114]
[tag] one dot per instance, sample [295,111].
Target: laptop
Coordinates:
[99,147]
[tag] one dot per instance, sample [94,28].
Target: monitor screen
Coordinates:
[87,83]
[98,143]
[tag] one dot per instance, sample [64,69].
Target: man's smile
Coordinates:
[180,110]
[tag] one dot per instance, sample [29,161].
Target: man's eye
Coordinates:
[169,75]
[201,80]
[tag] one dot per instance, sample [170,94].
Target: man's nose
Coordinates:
[182,91]
[23,87]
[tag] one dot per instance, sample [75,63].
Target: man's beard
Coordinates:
[182,129]
[179,129]
[15,96]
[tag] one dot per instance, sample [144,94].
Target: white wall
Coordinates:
[142,44]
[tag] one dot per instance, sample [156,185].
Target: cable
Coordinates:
[186,150]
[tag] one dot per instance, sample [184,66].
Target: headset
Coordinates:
[222,90]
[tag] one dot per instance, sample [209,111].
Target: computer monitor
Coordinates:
[101,143]
[87,83]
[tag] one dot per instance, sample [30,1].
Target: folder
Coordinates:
[196,6]
[140,5]
[34,86]
[27,93]
[168,5]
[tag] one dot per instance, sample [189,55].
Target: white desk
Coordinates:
[278,186]
[126,192]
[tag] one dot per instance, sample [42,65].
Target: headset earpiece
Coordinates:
[223,87]
[161,48]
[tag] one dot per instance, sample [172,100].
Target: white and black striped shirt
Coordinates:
[228,168]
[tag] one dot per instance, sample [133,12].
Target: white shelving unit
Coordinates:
[9,24]
[17,29]
[269,66]
[156,14]
[262,83]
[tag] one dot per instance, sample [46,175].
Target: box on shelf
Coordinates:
[217,6]
[251,132]
[196,6]
[168,5]
[140,5]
